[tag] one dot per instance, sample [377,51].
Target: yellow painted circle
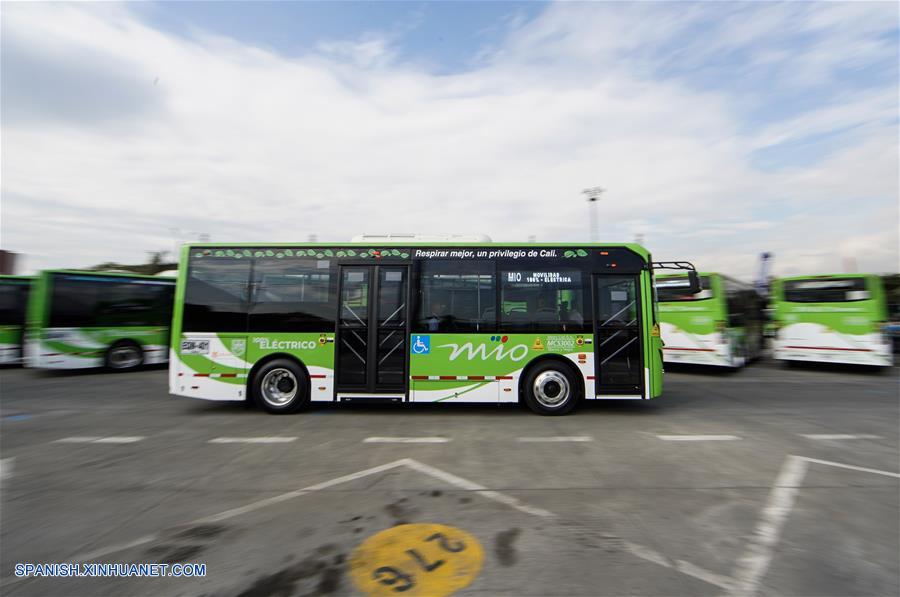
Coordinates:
[416,560]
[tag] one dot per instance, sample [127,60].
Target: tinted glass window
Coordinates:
[674,289]
[543,301]
[88,301]
[292,295]
[134,303]
[456,296]
[833,290]
[216,295]
[13,297]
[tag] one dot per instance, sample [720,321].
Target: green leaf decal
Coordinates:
[404,255]
[320,255]
[289,252]
[259,254]
[220,253]
[341,254]
[364,255]
[247,253]
[270,253]
[581,253]
[328,253]
[198,255]
[230,253]
[279,255]
[351,253]
[238,256]
[569,254]
[395,252]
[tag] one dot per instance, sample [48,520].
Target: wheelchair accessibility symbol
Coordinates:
[421,344]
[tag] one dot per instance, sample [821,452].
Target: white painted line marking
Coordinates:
[252,440]
[645,553]
[6,468]
[839,436]
[753,565]
[472,486]
[861,469]
[698,438]
[557,438]
[100,440]
[406,440]
[637,550]
[244,509]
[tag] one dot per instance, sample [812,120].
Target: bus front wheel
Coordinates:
[281,386]
[551,389]
[124,356]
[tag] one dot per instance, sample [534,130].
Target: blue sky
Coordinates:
[720,130]
[445,36]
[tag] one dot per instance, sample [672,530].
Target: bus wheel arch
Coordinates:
[545,371]
[124,355]
[279,384]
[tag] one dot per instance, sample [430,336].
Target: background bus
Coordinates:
[286,324]
[13,300]
[721,325]
[93,319]
[837,318]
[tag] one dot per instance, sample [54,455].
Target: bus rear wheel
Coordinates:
[551,389]
[124,356]
[281,386]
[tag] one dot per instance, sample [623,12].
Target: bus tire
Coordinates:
[551,388]
[124,355]
[280,386]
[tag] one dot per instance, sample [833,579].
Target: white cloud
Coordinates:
[247,145]
[368,52]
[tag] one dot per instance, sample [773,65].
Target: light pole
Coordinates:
[593,195]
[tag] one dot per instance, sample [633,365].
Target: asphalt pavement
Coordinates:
[768,481]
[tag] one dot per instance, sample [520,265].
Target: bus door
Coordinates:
[618,353]
[372,331]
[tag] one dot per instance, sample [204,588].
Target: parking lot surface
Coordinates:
[769,481]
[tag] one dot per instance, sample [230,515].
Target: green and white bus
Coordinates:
[722,325]
[283,325]
[80,319]
[13,300]
[838,318]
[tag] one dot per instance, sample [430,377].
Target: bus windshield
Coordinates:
[674,289]
[833,290]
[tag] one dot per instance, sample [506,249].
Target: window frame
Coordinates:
[309,323]
[186,320]
[418,278]
[531,325]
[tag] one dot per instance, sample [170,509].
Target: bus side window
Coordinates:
[9,304]
[216,295]
[543,301]
[456,297]
[297,295]
[73,302]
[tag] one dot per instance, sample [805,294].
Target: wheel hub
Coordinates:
[551,388]
[279,387]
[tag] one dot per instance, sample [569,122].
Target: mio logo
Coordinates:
[501,352]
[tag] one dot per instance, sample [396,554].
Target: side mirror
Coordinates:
[693,282]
